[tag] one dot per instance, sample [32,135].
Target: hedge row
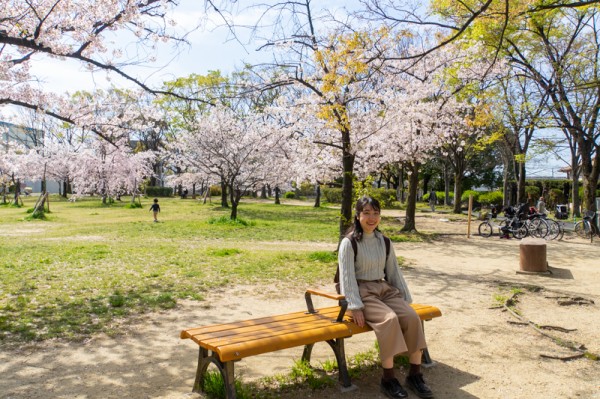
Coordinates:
[155,191]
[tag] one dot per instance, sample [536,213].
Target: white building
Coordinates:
[28,137]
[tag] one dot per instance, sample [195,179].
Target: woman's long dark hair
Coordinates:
[356,229]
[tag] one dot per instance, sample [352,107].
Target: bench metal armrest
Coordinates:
[337,297]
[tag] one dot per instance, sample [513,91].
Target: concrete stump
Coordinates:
[533,255]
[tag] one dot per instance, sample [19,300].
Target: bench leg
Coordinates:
[226,369]
[340,355]
[203,363]
[426,358]
[306,354]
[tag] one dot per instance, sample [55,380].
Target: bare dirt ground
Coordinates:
[480,351]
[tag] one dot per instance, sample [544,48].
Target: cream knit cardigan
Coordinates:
[369,265]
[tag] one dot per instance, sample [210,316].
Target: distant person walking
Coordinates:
[432,200]
[155,208]
[541,206]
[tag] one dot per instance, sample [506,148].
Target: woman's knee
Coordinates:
[390,317]
[381,316]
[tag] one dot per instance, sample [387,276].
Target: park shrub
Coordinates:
[467,193]
[289,195]
[332,195]
[215,190]
[40,214]
[440,197]
[532,192]
[581,192]
[155,191]
[555,197]
[385,196]
[491,198]
[306,189]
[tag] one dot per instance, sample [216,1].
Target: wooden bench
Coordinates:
[223,344]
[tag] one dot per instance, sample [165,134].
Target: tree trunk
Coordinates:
[401,183]
[17,191]
[206,194]
[426,180]
[446,184]
[458,178]
[505,187]
[39,205]
[521,176]
[224,203]
[234,196]
[277,191]
[263,192]
[347,186]
[411,206]
[318,197]
[590,169]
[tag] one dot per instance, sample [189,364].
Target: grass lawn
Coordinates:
[72,274]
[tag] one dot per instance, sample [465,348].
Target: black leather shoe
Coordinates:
[418,386]
[393,389]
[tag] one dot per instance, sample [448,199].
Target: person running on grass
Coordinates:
[155,208]
[377,295]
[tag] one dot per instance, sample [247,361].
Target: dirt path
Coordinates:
[479,350]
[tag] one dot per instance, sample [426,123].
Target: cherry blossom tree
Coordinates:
[330,75]
[235,148]
[13,169]
[411,134]
[110,170]
[81,32]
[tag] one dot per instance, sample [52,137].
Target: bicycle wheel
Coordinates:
[486,229]
[520,231]
[538,228]
[554,230]
[583,229]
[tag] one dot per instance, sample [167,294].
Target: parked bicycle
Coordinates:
[511,225]
[587,228]
[537,225]
[556,230]
[520,223]
[515,222]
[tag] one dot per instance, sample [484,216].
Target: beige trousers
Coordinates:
[396,325]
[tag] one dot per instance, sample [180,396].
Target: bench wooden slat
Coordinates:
[305,329]
[234,341]
[302,322]
[329,312]
[235,329]
[426,312]
[263,330]
[247,348]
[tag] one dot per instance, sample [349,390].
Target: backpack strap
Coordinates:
[387,241]
[388,244]
[354,245]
